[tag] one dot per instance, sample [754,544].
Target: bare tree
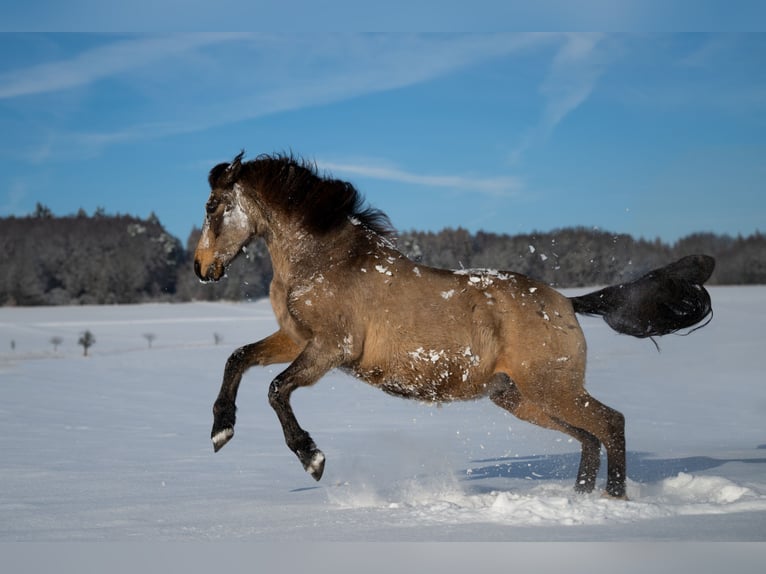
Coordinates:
[87,340]
[150,337]
[56,341]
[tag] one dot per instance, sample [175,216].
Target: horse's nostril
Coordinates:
[197,268]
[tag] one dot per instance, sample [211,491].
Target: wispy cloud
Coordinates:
[707,51]
[495,186]
[700,74]
[195,86]
[571,78]
[230,78]
[102,61]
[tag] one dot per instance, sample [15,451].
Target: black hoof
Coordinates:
[615,490]
[584,486]
[612,497]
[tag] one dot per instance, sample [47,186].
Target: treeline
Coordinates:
[577,257]
[83,259]
[98,259]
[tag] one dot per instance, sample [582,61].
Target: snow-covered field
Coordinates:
[115,446]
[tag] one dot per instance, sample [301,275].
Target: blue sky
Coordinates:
[656,135]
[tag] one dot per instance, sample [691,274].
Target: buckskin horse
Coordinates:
[345,298]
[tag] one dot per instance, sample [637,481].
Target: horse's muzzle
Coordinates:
[210,273]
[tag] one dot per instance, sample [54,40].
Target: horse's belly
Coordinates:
[443,381]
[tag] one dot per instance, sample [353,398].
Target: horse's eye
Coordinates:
[211,206]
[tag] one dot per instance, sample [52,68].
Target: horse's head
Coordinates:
[230,221]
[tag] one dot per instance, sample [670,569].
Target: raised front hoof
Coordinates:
[314,463]
[220,438]
[224,417]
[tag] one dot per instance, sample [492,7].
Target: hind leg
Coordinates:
[605,423]
[506,394]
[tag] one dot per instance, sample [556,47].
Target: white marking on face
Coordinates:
[235,215]
[204,242]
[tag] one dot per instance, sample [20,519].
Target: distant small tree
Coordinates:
[217,338]
[87,340]
[150,337]
[56,341]
[42,211]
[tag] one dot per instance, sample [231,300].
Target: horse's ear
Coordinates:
[225,175]
[232,173]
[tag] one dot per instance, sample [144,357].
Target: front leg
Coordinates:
[276,348]
[307,369]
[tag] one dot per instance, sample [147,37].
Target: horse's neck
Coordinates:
[297,253]
[288,258]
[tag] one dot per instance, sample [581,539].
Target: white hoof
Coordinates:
[221,438]
[315,467]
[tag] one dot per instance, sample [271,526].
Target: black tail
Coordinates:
[662,301]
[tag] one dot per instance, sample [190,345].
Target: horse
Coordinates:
[346,298]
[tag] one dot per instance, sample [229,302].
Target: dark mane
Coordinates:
[295,185]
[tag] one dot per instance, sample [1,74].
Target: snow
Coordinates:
[116,446]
